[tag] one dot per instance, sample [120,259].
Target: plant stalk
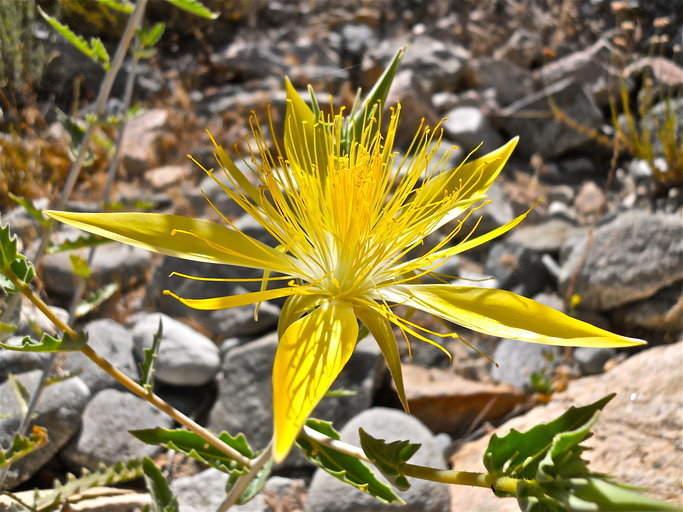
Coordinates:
[244,480]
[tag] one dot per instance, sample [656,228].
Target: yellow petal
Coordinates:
[504,314]
[294,308]
[309,357]
[233,301]
[182,237]
[306,140]
[381,330]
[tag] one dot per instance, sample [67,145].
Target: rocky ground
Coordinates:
[605,243]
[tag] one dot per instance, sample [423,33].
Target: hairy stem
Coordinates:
[129,383]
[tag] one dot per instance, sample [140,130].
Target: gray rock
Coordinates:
[246,60]
[185,358]
[630,258]
[14,361]
[547,136]
[119,263]
[291,492]
[59,411]
[662,312]
[510,81]
[524,48]
[206,491]
[113,342]
[327,494]
[517,268]
[104,436]
[470,127]
[144,140]
[548,236]
[31,318]
[592,360]
[244,401]
[518,361]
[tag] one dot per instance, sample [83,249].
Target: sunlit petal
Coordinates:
[233,301]
[182,237]
[504,314]
[309,357]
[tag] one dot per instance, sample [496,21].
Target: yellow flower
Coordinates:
[346,224]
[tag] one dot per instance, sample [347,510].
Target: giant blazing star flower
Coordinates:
[346,218]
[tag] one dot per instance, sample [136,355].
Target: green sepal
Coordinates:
[192,445]
[518,454]
[148,366]
[367,110]
[94,49]
[23,445]
[162,496]
[194,7]
[48,343]
[254,487]
[342,466]
[389,458]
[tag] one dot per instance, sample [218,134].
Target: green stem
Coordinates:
[129,383]
[244,480]
[448,476]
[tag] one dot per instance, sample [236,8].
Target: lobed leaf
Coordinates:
[389,458]
[48,343]
[342,466]
[13,265]
[23,445]
[94,49]
[195,7]
[192,445]
[162,496]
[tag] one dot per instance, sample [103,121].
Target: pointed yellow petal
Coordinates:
[306,140]
[381,330]
[294,308]
[505,314]
[182,237]
[310,355]
[233,301]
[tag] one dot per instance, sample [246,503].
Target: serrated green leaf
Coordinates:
[192,445]
[8,246]
[123,6]
[149,364]
[95,299]
[23,445]
[389,458]
[195,7]
[94,49]
[162,496]
[12,264]
[80,266]
[103,476]
[342,466]
[49,344]
[79,243]
[254,487]
[34,212]
[518,454]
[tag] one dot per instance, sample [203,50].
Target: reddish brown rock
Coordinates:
[445,402]
[637,438]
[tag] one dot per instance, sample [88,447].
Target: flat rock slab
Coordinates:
[637,438]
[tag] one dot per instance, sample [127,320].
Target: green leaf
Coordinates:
[149,36]
[341,392]
[94,48]
[103,476]
[123,6]
[76,130]
[518,454]
[254,487]
[195,7]
[79,243]
[162,497]
[375,100]
[21,393]
[49,344]
[23,445]
[32,210]
[96,299]
[12,264]
[342,466]
[389,458]
[80,266]
[192,445]
[148,366]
